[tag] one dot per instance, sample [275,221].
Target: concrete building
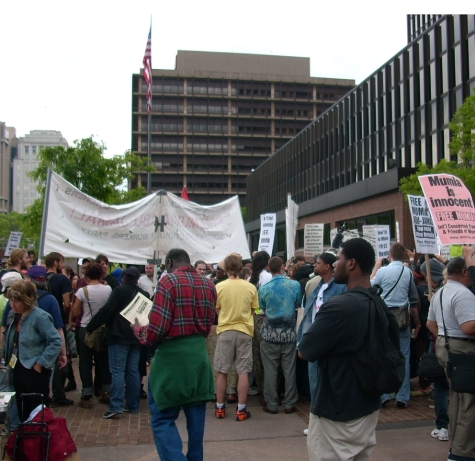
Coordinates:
[24,188]
[8,150]
[346,165]
[218,116]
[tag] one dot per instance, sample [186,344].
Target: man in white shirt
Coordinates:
[146,280]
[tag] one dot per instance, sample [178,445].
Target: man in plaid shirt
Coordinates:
[180,375]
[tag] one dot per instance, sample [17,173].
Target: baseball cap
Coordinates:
[132,272]
[37,273]
[9,279]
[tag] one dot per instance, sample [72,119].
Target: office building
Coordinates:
[24,188]
[8,149]
[346,165]
[218,116]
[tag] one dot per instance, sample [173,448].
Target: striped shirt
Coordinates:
[184,305]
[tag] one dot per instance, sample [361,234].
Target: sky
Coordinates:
[68,66]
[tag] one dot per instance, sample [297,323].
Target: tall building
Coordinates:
[8,149]
[24,188]
[346,165]
[218,116]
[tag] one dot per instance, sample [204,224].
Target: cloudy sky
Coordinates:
[68,66]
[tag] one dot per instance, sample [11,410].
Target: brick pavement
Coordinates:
[88,429]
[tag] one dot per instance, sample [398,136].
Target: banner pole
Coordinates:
[45,215]
[429,277]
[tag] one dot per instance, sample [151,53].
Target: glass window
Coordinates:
[27,149]
[422,121]
[420,45]
[458,98]
[457,65]
[443,35]
[33,149]
[433,115]
[456,28]
[470,23]
[445,73]
[446,109]
[471,56]
[432,44]
[433,85]
[422,95]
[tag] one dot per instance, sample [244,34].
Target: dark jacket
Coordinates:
[118,329]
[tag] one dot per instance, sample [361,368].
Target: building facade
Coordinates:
[8,150]
[24,191]
[346,165]
[218,116]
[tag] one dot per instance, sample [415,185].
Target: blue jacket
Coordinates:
[333,289]
[39,340]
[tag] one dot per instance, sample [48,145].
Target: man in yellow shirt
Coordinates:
[237,301]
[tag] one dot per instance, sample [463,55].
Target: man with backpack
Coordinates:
[349,329]
[400,294]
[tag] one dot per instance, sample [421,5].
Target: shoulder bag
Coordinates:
[95,339]
[460,367]
[401,313]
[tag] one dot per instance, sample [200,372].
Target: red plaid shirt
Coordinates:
[184,305]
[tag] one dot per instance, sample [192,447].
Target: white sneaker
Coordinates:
[441,434]
[305,432]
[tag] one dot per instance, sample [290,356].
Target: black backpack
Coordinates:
[379,365]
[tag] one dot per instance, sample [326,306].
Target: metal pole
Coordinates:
[149,155]
[44,221]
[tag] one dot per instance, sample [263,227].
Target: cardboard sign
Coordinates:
[380,239]
[266,239]
[423,227]
[451,206]
[13,242]
[313,240]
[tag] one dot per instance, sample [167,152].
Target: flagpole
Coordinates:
[45,215]
[147,74]
[149,155]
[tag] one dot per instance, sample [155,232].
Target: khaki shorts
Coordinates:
[233,347]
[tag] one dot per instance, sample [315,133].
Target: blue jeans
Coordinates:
[124,366]
[404,393]
[165,433]
[312,377]
[441,401]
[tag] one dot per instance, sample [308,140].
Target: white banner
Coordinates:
[423,227]
[13,242]
[313,240]
[266,239]
[79,225]
[380,238]
[291,222]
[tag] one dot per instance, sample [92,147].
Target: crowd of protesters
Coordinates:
[252,315]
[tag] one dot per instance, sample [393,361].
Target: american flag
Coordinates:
[147,70]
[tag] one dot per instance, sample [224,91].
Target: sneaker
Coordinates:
[243,414]
[253,391]
[441,434]
[400,404]
[85,402]
[126,410]
[4,432]
[110,414]
[61,402]
[305,432]
[385,402]
[104,398]
[220,413]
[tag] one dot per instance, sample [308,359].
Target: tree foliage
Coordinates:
[84,165]
[462,150]
[10,222]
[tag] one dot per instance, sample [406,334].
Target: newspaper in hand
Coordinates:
[139,308]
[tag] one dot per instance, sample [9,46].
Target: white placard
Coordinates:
[13,242]
[139,308]
[79,225]
[379,237]
[291,223]
[423,227]
[313,239]
[266,239]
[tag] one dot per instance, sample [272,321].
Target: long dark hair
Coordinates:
[259,263]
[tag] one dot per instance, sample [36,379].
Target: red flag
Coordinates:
[184,194]
[147,70]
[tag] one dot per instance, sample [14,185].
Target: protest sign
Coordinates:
[13,242]
[266,239]
[138,309]
[422,226]
[451,207]
[291,223]
[78,225]
[313,240]
[379,236]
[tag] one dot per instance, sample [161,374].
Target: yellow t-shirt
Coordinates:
[237,300]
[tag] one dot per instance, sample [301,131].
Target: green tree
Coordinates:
[10,222]
[462,152]
[84,165]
